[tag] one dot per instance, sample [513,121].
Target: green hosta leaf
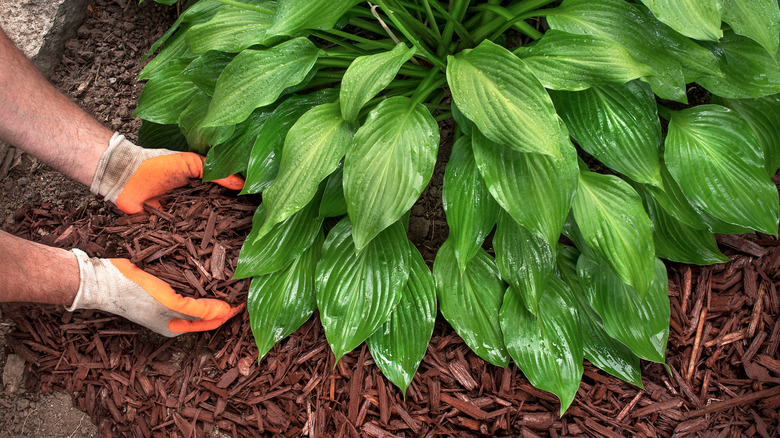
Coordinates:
[613,222]
[155,136]
[200,138]
[312,151]
[357,292]
[232,156]
[470,301]
[627,25]
[256,78]
[547,348]
[524,260]
[749,71]
[232,29]
[398,346]
[758,20]
[640,322]
[174,56]
[471,211]
[367,76]
[618,125]
[388,165]
[293,16]
[567,61]
[715,157]
[280,302]
[266,153]
[763,116]
[204,70]
[599,347]
[199,12]
[333,203]
[501,95]
[697,19]
[277,249]
[535,189]
[163,98]
[679,242]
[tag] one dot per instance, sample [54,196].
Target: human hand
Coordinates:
[129,175]
[117,286]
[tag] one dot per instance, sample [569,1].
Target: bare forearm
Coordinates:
[35,273]
[38,119]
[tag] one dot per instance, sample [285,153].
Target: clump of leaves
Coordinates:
[330,108]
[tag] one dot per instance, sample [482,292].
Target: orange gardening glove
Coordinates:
[119,287]
[129,175]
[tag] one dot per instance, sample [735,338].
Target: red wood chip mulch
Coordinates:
[724,375]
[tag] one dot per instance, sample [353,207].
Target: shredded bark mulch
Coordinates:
[723,379]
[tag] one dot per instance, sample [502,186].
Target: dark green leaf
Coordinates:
[470,301]
[313,148]
[715,157]
[280,302]
[471,210]
[618,125]
[367,76]
[277,249]
[640,322]
[398,346]
[199,12]
[204,70]
[155,136]
[613,222]
[333,203]
[388,165]
[748,70]
[200,138]
[763,116]
[501,95]
[163,98]
[232,156]
[266,153]
[567,61]
[173,57]
[357,292]
[256,78]
[547,348]
[758,20]
[535,189]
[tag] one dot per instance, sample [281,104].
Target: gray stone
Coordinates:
[13,374]
[40,27]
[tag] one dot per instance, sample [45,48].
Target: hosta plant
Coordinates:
[568,117]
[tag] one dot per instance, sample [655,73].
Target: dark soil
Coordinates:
[724,377]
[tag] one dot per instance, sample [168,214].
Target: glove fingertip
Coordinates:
[233,182]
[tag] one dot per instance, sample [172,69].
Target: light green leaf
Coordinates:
[524,260]
[312,150]
[679,242]
[535,189]
[333,203]
[716,159]
[613,222]
[256,78]
[640,322]
[277,249]
[367,76]
[470,209]
[267,150]
[388,165]
[174,56]
[758,20]
[697,19]
[232,29]
[627,25]
[618,125]
[232,156]
[547,348]
[199,12]
[204,70]
[398,346]
[293,16]
[501,95]
[599,347]
[357,292]
[748,70]
[280,302]
[763,116]
[567,61]
[163,98]
[470,301]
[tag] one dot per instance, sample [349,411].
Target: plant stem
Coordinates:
[378,44]
[429,84]
[365,25]
[422,49]
[455,22]
[665,112]
[443,116]
[248,7]
[432,18]
[457,10]
[514,10]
